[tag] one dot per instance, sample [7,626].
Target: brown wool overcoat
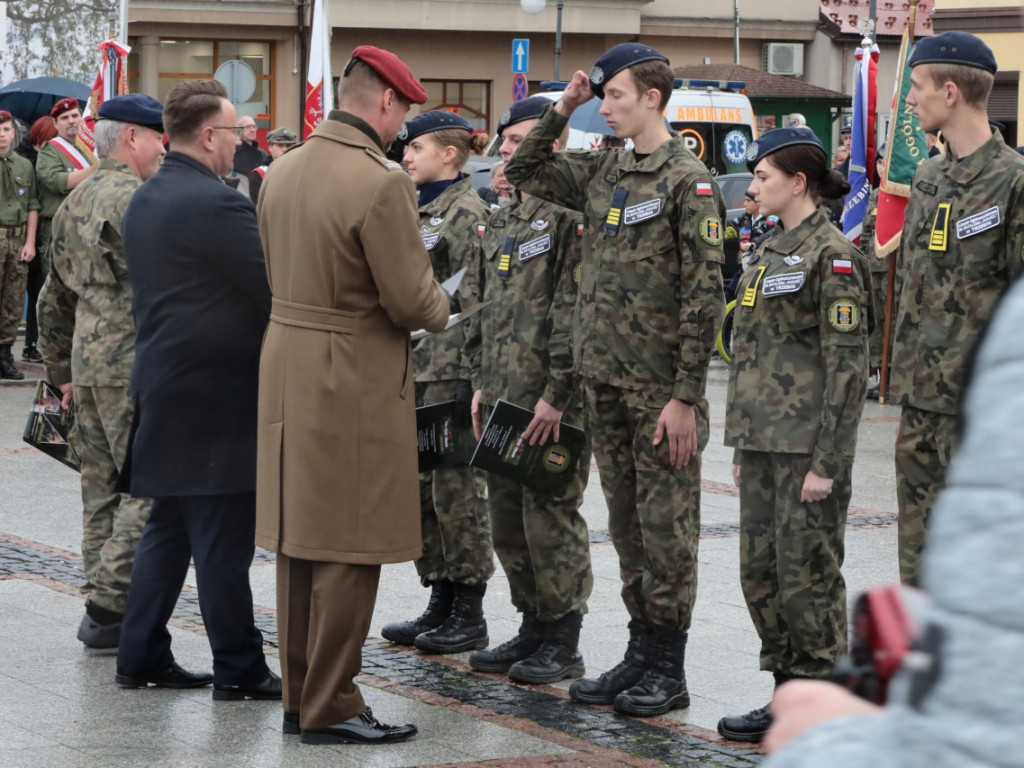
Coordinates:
[336,460]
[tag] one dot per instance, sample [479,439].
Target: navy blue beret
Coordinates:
[954,48]
[137,108]
[434,120]
[618,58]
[525,109]
[779,138]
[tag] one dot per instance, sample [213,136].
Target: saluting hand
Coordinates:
[678,423]
[576,93]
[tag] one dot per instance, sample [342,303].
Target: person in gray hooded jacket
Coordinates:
[970,712]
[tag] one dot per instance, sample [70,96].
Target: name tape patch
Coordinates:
[535,247]
[979,222]
[634,214]
[777,285]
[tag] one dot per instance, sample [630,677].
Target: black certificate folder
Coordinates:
[441,440]
[503,450]
[49,426]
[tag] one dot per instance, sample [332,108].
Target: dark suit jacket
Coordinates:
[201,304]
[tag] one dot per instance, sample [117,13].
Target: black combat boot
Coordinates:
[752,726]
[440,606]
[558,656]
[8,370]
[465,629]
[500,658]
[625,674]
[663,686]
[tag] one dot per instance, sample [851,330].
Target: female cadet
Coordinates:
[457,555]
[796,391]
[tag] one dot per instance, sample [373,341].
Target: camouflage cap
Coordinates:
[281,136]
[618,58]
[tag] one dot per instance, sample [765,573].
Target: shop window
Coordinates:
[469,98]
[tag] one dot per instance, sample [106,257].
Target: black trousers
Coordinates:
[36,278]
[218,532]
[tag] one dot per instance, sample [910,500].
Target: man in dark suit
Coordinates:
[201,305]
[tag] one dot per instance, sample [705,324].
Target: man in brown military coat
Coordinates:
[338,492]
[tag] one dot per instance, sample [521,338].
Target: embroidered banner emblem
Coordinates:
[535,247]
[641,212]
[777,285]
[979,222]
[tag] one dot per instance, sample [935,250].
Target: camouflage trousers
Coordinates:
[653,509]
[13,279]
[791,554]
[879,287]
[112,522]
[542,542]
[924,447]
[453,514]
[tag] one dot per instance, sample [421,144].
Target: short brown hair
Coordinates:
[975,84]
[189,105]
[654,74]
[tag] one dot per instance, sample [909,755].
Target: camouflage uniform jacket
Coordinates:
[962,245]
[651,296]
[799,348]
[522,345]
[85,308]
[867,231]
[451,229]
[52,171]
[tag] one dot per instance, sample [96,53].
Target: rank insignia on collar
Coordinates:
[436,221]
[539,225]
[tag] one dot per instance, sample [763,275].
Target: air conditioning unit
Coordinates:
[784,58]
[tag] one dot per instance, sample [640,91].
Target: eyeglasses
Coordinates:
[236,128]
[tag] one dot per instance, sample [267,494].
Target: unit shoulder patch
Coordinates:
[710,230]
[844,315]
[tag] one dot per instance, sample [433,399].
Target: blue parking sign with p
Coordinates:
[520,56]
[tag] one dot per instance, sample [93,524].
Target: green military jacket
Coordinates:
[14,211]
[962,245]
[52,171]
[799,348]
[522,345]
[867,232]
[451,226]
[86,326]
[651,298]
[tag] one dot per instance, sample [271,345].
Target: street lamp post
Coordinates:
[536,6]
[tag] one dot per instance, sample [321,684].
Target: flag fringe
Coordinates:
[883,250]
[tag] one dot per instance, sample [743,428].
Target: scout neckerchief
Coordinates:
[10,191]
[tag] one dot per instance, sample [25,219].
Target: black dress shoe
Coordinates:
[267,689]
[290,723]
[172,677]
[361,729]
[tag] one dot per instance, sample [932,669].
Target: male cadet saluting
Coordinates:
[88,344]
[649,305]
[63,163]
[522,353]
[19,212]
[962,245]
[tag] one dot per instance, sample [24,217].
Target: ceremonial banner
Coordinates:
[906,148]
[319,84]
[862,144]
[112,80]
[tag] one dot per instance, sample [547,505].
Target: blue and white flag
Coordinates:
[862,144]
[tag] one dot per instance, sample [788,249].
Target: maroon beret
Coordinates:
[392,70]
[64,105]
[5,116]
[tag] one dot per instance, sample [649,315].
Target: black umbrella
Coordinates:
[30,99]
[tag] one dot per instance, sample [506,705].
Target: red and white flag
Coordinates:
[319,85]
[112,80]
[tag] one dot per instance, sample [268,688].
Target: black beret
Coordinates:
[136,108]
[777,139]
[618,58]
[434,120]
[954,48]
[525,109]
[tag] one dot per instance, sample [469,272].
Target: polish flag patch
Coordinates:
[842,267]
[704,188]
[579,230]
[480,229]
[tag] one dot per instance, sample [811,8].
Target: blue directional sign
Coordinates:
[520,56]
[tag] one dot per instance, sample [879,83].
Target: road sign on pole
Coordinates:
[520,56]
[519,88]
